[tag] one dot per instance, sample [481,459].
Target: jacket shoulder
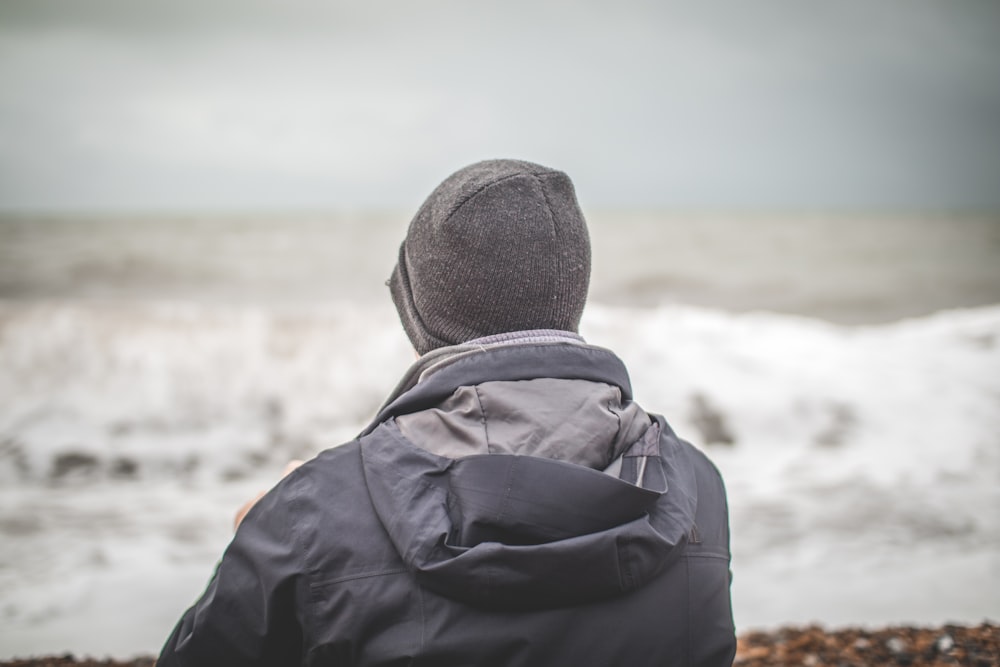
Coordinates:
[356,579]
[337,524]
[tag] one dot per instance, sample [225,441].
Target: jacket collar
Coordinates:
[437,375]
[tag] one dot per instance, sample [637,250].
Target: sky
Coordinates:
[734,106]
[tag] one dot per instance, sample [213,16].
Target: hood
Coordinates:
[532,523]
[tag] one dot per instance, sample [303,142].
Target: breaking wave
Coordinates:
[159,390]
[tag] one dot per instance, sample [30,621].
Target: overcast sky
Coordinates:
[743,105]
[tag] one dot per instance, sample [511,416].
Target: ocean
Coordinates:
[156,371]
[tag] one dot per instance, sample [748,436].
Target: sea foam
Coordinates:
[171,389]
[860,460]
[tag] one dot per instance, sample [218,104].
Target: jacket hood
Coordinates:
[513,531]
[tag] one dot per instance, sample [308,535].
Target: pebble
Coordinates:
[944,643]
[895,644]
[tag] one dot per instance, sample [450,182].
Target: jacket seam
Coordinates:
[482,412]
[509,486]
[624,560]
[359,575]
[303,586]
[716,556]
[423,622]
[687,577]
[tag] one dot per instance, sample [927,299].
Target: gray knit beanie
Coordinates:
[499,246]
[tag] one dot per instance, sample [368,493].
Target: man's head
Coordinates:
[499,246]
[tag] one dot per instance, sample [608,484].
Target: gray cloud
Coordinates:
[768,105]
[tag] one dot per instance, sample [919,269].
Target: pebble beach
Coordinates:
[948,645]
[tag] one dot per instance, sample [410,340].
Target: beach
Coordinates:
[975,646]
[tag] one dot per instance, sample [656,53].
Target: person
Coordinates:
[510,504]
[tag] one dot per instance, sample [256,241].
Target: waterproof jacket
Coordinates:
[510,505]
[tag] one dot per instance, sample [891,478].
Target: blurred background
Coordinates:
[795,211]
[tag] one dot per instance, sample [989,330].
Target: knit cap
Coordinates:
[499,246]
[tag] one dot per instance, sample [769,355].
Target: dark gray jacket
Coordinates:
[510,505]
